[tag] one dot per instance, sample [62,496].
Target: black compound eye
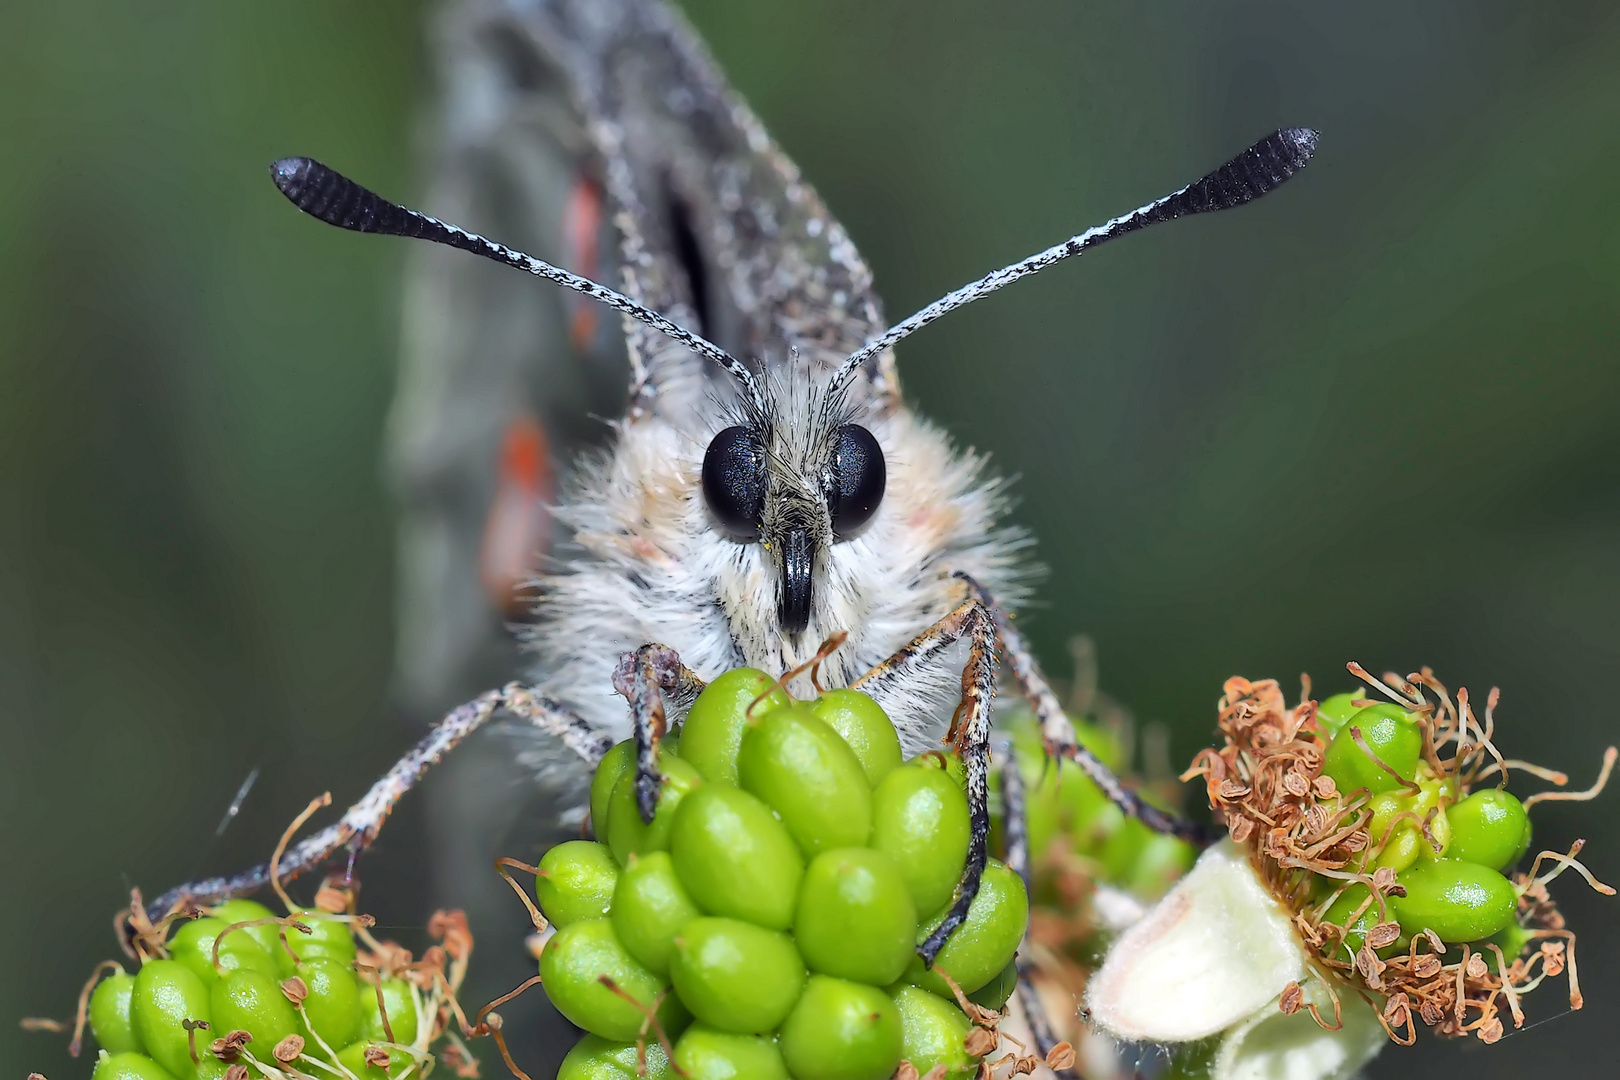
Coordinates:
[855,479]
[734,481]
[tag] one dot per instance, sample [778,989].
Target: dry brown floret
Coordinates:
[436,978]
[1266,787]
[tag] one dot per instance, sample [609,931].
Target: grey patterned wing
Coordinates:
[500,376]
[718,230]
[502,380]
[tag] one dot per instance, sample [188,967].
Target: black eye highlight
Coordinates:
[855,479]
[734,481]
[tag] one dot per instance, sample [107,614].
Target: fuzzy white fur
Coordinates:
[648,564]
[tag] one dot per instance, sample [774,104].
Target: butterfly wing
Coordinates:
[716,227]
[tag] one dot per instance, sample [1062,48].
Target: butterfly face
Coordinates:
[794,491]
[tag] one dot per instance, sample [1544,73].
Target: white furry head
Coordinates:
[652,561]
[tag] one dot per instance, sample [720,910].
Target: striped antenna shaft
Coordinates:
[1257,171]
[329,196]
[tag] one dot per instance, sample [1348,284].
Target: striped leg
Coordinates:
[644,677]
[1017,837]
[1058,732]
[362,822]
[971,729]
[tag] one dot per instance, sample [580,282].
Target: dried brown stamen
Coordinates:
[279,920]
[289,1049]
[81,1014]
[812,665]
[1579,796]
[649,1023]
[382,1006]
[230,1047]
[1565,862]
[1361,741]
[308,812]
[535,917]
[191,1028]
[1266,786]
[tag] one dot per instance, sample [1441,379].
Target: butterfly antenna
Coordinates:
[1255,172]
[328,195]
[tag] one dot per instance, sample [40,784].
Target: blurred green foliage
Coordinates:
[1377,416]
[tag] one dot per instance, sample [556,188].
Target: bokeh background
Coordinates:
[1377,416]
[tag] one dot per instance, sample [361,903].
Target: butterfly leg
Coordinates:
[1016,836]
[971,731]
[362,822]
[645,677]
[1058,731]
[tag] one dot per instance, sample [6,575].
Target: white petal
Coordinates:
[1213,952]
[1272,1046]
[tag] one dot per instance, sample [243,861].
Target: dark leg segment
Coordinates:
[1040,1028]
[1013,821]
[644,677]
[971,728]
[1058,732]
[973,744]
[977,619]
[362,822]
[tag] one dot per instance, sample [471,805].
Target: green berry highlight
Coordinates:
[626,832]
[328,938]
[130,1066]
[193,946]
[252,1001]
[332,1007]
[1390,734]
[856,919]
[713,731]
[1459,900]
[649,907]
[572,968]
[576,882]
[706,1053]
[1334,711]
[165,994]
[399,1005]
[995,993]
[111,1021]
[1339,912]
[736,976]
[933,1034]
[1489,827]
[865,727]
[596,1058]
[920,821]
[267,934]
[613,767]
[735,858]
[985,943]
[842,1030]
[353,1058]
[800,767]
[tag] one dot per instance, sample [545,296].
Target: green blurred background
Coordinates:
[1377,416]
